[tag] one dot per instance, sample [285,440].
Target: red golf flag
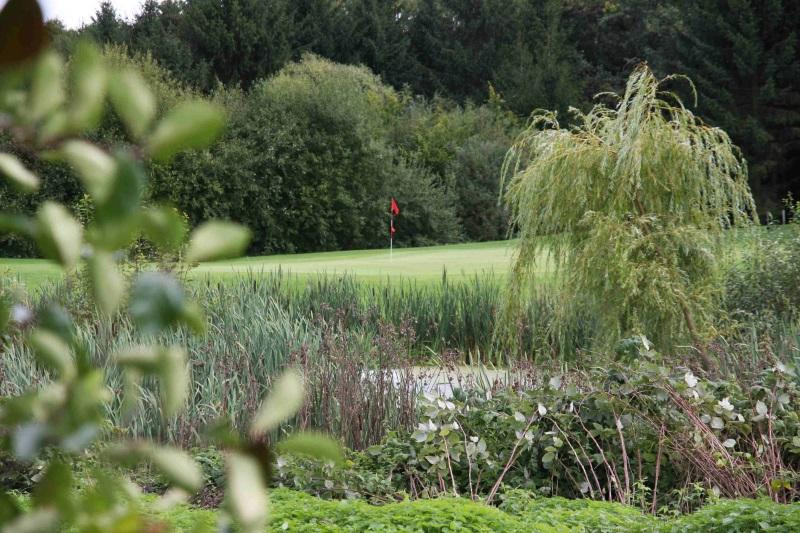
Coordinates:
[394,207]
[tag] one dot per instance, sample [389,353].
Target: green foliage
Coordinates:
[762,280]
[743,56]
[632,202]
[549,55]
[628,433]
[66,414]
[737,515]
[305,513]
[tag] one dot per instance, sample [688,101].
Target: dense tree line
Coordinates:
[462,76]
[311,157]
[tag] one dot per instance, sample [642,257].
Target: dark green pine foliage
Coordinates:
[157,30]
[323,27]
[614,36]
[457,45]
[242,40]
[743,58]
[541,68]
[380,38]
[106,25]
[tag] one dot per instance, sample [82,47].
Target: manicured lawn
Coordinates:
[426,264]
[31,272]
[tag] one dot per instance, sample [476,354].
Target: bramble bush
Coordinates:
[634,433]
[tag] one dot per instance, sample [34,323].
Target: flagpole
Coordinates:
[391,236]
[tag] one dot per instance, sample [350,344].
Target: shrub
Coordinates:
[762,279]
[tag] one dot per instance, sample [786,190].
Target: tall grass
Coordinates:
[356,344]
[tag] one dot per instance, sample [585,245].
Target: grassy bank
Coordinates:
[422,264]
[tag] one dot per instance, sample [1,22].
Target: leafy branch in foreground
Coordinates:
[629,205]
[45,118]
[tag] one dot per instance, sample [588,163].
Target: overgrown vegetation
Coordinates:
[66,416]
[119,381]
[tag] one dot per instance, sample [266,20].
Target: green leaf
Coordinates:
[216,240]
[13,169]
[117,216]
[52,490]
[22,32]
[190,125]
[144,359]
[27,440]
[58,234]
[177,466]
[47,88]
[95,167]
[108,285]
[165,227]
[53,352]
[58,321]
[247,498]
[35,521]
[5,310]
[18,224]
[192,315]
[88,82]
[156,301]
[285,398]
[133,101]
[174,377]
[317,445]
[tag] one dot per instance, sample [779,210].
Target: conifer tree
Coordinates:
[744,58]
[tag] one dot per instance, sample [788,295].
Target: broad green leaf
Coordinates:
[13,169]
[133,101]
[53,352]
[316,445]
[51,491]
[177,466]
[35,521]
[95,167]
[247,497]
[57,320]
[108,285]
[5,310]
[156,301]
[192,315]
[47,89]
[174,377]
[54,126]
[88,83]
[216,240]
[22,32]
[145,359]
[285,398]
[18,224]
[190,125]
[117,216]
[58,234]
[27,440]
[165,227]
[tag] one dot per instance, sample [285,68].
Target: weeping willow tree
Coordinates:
[629,206]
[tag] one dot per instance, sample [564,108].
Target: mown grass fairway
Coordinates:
[426,264]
